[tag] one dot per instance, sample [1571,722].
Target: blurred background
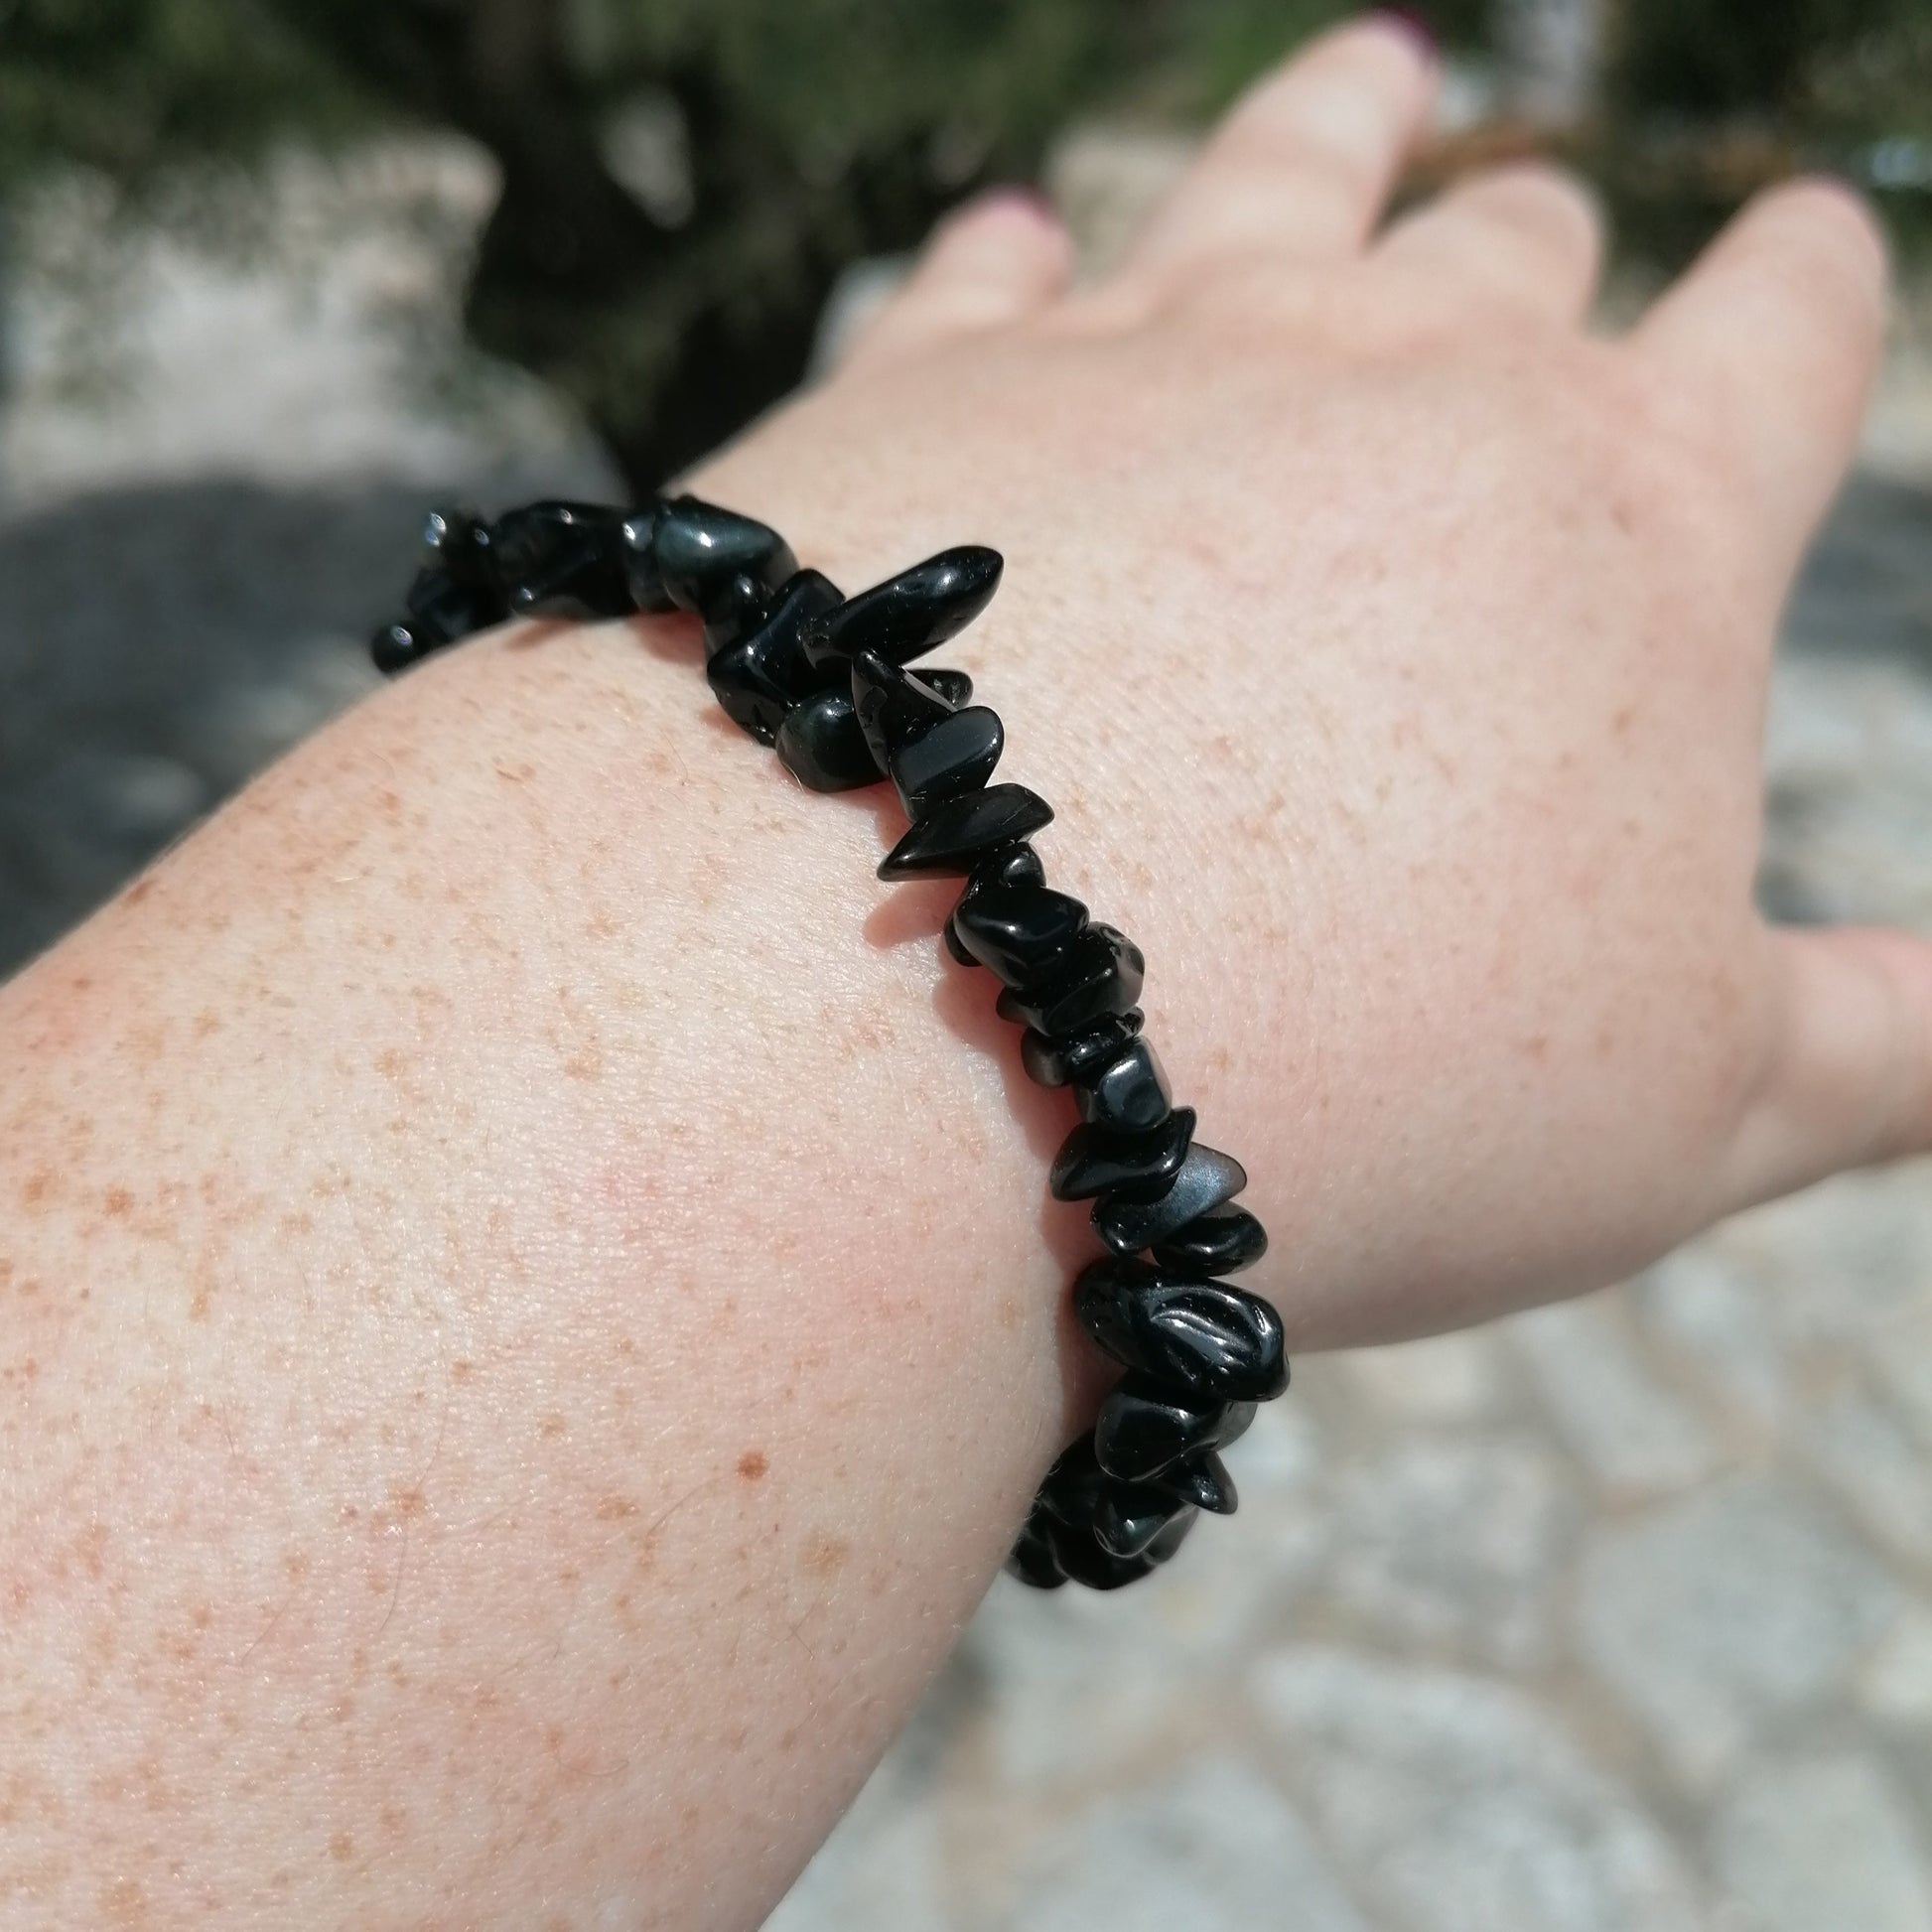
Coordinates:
[1615,1616]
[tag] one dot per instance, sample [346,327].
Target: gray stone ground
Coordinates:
[1617,1615]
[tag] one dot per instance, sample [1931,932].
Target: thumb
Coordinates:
[1850,1079]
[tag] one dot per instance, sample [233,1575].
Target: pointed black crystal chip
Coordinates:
[954,686]
[956,756]
[1144,1429]
[955,836]
[1019,931]
[1102,973]
[908,614]
[822,746]
[894,706]
[1055,1062]
[1125,1528]
[1203,1481]
[1207,1178]
[637,540]
[1138,1167]
[1127,1094]
[1216,1343]
[560,559]
[1217,1241]
[701,553]
[1032,1560]
[762,675]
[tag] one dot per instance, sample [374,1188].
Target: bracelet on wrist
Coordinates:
[822,678]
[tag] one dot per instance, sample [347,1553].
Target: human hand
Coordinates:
[1395,651]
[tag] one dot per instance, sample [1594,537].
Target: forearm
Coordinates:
[533,1316]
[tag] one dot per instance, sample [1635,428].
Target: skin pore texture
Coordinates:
[529,1310]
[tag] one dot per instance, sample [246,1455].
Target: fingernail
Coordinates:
[1018,195]
[1412,22]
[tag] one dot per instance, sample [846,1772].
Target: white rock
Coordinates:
[1457,1804]
[1625,1427]
[1718,1614]
[1444,1540]
[1215,1849]
[1869,1456]
[1824,1845]
[1707,1302]
[1895,1681]
[1446,1379]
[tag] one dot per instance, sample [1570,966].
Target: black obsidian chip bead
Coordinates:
[1134,1167]
[954,686]
[1017,931]
[1032,1560]
[957,756]
[1102,973]
[1082,1561]
[701,552]
[1219,1241]
[637,538]
[1146,1428]
[1124,1529]
[1203,1481]
[1055,1063]
[1127,1094]
[894,706]
[950,933]
[559,559]
[953,837]
[822,746]
[908,615]
[1207,1178]
[457,539]
[1214,1342]
[759,678]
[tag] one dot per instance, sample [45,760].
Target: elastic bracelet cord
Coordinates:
[822,678]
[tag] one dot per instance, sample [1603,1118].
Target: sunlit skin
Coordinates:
[528,1305]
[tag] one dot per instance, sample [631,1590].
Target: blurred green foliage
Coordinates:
[814,132]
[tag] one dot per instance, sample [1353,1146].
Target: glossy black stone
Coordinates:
[822,746]
[954,686]
[1032,1560]
[953,946]
[1102,973]
[894,706]
[1011,865]
[1082,1559]
[1219,1241]
[636,541]
[957,756]
[558,559]
[701,553]
[1017,931]
[759,678]
[908,615]
[953,838]
[735,612]
[1055,1063]
[1134,1166]
[457,539]
[1144,1428]
[1127,1094]
[1214,1342]
[1124,1530]
[1203,1481]
[1071,1489]
[1207,1178]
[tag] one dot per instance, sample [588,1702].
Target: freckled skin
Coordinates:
[544,1313]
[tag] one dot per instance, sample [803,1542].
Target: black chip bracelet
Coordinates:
[822,678]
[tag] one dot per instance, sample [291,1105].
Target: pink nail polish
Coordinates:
[1412,22]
